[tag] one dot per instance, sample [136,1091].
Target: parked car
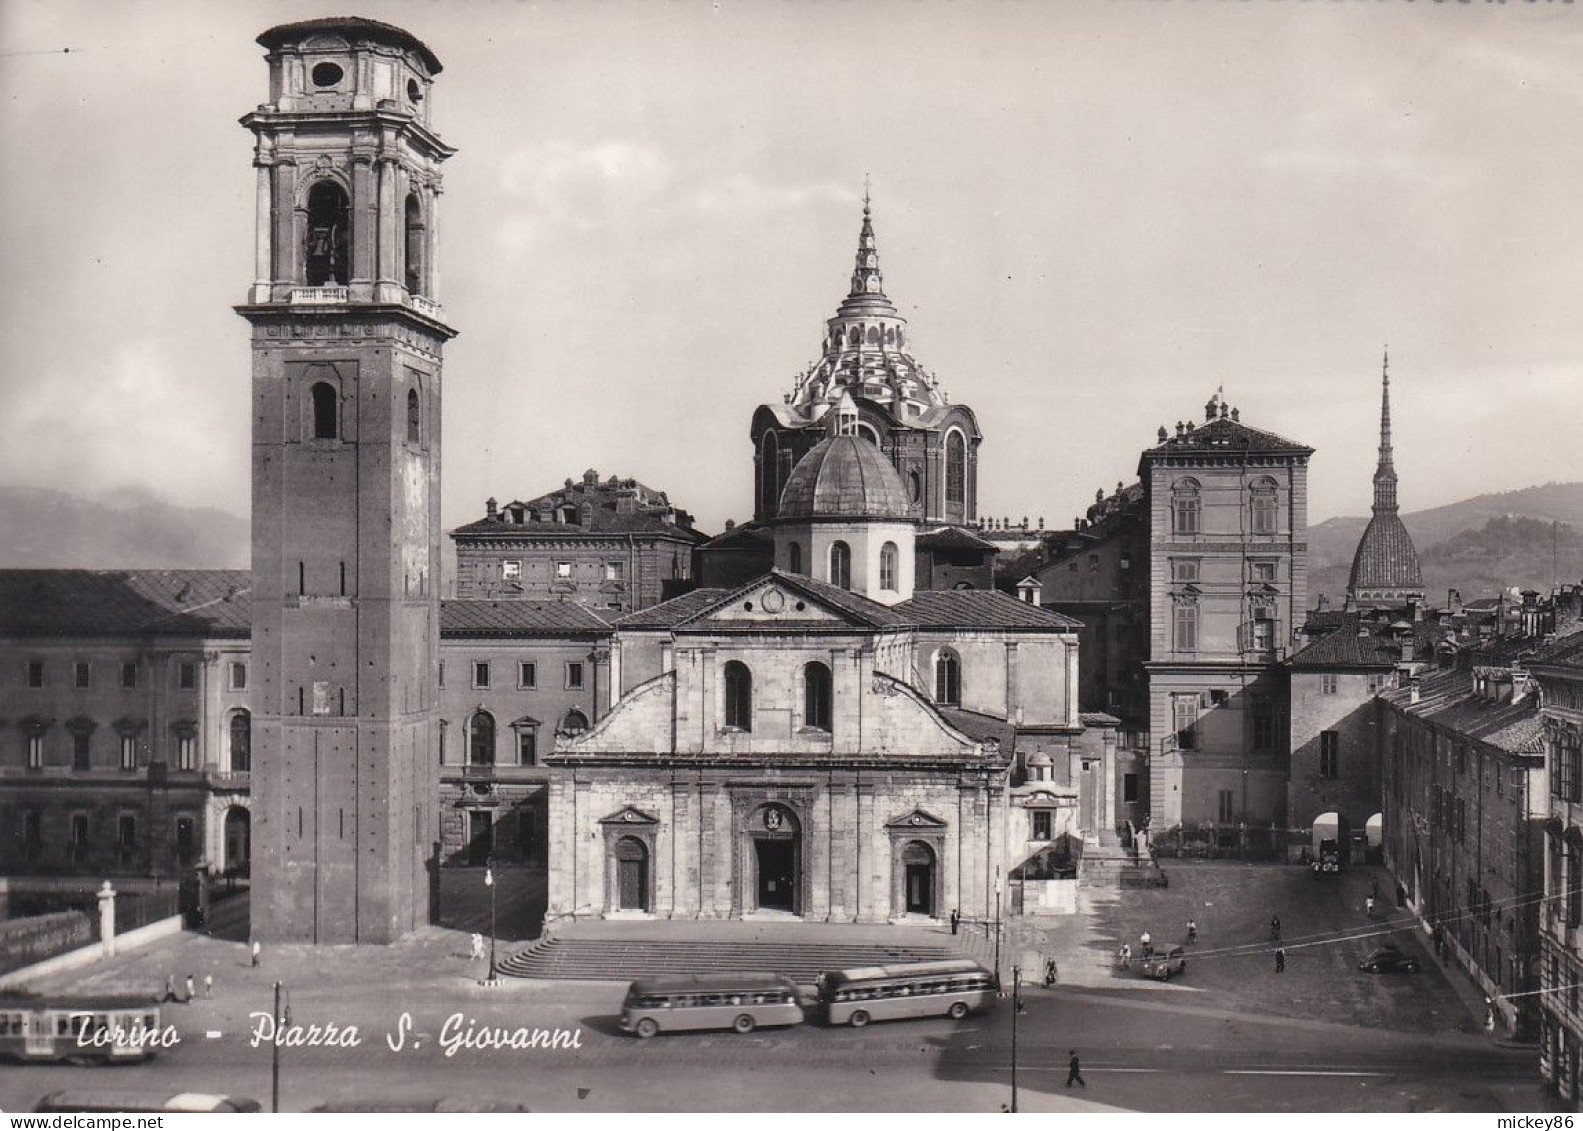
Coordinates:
[1162,964]
[1389,960]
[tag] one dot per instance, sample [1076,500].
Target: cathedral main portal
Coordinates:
[775,851]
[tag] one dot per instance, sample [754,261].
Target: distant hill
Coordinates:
[1476,546]
[129,529]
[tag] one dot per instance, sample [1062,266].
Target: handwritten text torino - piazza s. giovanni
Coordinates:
[459,1033]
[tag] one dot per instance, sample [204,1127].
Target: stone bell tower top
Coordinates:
[348,169]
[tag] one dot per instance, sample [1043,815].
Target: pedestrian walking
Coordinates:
[478,945]
[1489,1016]
[256,949]
[1275,928]
[1192,931]
[1280,960]
[208,985]
[1145,944]
[956,919]
[192,990]
[1125,954]
[1073,1070]
[1050,973]
[170,988]
[1368,906]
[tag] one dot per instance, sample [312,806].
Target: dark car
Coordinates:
[1162,964]
[1389,960]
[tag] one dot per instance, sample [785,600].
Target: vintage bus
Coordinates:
[949,987]
[80,1027]
[743,1002]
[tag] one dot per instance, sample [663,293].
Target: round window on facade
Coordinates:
[414,91]
[327,74]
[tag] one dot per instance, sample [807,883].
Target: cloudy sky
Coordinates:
[1092,213]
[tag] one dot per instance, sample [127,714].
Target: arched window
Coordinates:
[241,743]
[947,678]
[414,417]
[1185,506]
[955,468]
[887,567]
[575,722]
[840,565]
[868,433]
[816,695]
[327,253]
[794,557]
[414,230]
[739,695]
[769,467]
[325,411]
[1264,505]
[914,485]
[481,740]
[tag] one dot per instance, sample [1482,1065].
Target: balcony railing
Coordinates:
[426,306]
[319,296]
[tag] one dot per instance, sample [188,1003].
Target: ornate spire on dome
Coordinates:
[1385,473]
[866,277]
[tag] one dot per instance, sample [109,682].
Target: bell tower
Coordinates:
[346,342]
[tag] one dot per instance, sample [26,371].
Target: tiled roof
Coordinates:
[1343,647]
[519,618]
[980,727]
[672,612]
[602,522]
[954,538]
[1385,558]
[1098,719]
[1567,652]
[150,602]
[844,477]
[977,608]
[1448,700]
[748,534]
[1225,434]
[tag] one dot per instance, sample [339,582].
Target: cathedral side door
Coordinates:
[632,875]
[918,862]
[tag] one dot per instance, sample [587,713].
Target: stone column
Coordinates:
[818,838]
[841,802]
[431,258]
[367,199]
[263,248]
[686,865]
[289,219]
[868,902]
[1012,710]
[107,920]
[588,895]
[1071,684]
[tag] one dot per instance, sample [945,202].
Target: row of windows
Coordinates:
[326,406]
[1185,711]
[35,674]
[81,837]
[527,674]
[512,570]
[840,561]
[816,681]
[184,738]
[481,737]
[774,467]
[1189,569]
[1255,635]
[1263,506]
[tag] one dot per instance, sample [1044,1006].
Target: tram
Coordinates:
[81,1028]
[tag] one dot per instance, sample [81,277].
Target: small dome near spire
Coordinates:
[844,476]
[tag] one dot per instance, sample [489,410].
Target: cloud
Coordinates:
[577,187]
[745,195]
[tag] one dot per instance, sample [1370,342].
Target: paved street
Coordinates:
[1229,1036]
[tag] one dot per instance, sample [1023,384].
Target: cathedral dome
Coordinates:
[844,477]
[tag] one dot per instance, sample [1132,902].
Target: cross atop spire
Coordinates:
[1385,473]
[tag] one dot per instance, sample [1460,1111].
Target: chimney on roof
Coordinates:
[1412,689]
[1180,428]
[1211,407]
[1236,415]
[1164,435]
[491,508]
[1225,410]
[1324,602]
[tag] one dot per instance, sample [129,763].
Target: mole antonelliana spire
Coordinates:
[1385,569]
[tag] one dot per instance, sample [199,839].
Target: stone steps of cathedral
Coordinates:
[600,959]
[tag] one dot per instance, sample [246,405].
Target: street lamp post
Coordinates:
[997,933]
[274,1053]
[1016,1008]
[489,882]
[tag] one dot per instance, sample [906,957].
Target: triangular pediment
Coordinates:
[917,819]
[629,815]
[779,598]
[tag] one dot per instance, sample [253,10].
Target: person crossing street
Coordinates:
[1073,1071]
